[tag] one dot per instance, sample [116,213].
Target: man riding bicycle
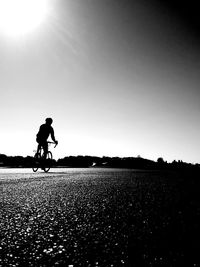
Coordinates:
[43,134]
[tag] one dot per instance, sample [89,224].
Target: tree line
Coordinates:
[92,161]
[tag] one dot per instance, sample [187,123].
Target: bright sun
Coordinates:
[19,17]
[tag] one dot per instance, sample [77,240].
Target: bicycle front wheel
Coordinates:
[36,162]
[48,162]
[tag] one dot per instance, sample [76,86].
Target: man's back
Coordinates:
[44,132]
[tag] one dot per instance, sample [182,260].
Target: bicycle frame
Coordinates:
[40,148]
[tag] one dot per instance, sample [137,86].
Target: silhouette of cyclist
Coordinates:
[43,134]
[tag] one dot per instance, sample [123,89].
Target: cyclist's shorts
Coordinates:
[40,141]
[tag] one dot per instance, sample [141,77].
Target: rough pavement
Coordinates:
[98,217]
[72,219]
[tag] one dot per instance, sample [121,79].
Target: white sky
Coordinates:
[118,80]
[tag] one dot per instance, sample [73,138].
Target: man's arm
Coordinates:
[53,136]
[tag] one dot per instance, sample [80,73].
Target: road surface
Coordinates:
[98,217]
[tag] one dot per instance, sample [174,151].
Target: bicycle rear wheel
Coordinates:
[48,162]
[36,162]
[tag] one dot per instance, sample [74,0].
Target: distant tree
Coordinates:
[160,160]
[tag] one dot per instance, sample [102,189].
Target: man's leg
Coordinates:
[45,148]
[43,159]
[38,148]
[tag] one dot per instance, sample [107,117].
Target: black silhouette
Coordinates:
[43,134]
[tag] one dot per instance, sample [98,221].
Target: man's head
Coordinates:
[49,121]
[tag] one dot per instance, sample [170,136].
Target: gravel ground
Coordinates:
[98,217]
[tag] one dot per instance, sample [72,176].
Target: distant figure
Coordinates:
[43,134]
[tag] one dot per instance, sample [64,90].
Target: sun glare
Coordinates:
[19,17]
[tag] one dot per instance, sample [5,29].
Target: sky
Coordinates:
[118,77]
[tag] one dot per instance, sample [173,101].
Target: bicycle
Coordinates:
[39,160]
